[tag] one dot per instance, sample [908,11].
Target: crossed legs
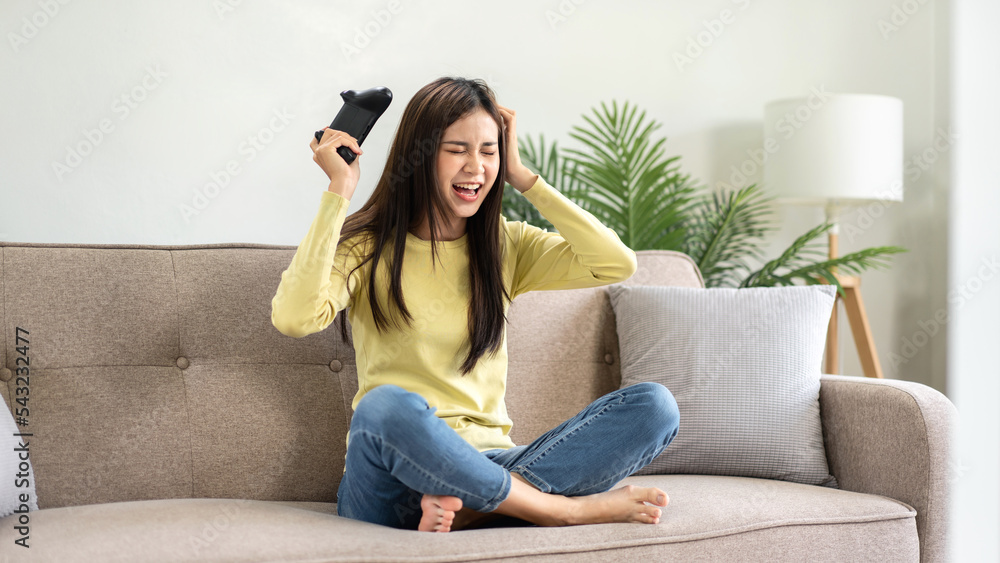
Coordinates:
[562,478]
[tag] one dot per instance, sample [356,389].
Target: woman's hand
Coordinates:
[518,174]
[343,177]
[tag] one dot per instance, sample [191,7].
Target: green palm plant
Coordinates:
[625,179]
[633,187]
[725,230]
[796,260]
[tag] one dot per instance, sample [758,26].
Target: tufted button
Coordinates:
[183,362]
[6,374]
[335,365]
[609,359]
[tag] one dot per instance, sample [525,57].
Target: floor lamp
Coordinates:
[837,151]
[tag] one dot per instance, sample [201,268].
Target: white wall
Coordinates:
[974,261]
[207,78]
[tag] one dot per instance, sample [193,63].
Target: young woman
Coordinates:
[426,270]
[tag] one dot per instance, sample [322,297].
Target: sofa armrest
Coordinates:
[891,438]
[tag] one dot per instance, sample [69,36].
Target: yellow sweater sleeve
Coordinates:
[314,287]
[583,253]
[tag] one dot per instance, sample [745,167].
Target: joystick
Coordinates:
[360,112]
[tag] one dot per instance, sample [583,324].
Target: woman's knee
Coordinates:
[660,408]
[387,406]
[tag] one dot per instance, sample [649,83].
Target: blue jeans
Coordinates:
[400,450]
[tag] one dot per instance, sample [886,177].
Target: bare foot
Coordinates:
[626,504]
[438,512]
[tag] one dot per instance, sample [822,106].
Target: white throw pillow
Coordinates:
[15,479]
[744,366]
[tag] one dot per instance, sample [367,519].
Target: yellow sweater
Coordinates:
[426,358]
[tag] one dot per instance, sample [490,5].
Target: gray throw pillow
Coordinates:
[744,366]
[16,475]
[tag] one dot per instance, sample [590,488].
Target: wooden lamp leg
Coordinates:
[856,315]
[862,332]
[832,359]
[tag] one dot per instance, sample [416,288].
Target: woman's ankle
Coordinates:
[528,503]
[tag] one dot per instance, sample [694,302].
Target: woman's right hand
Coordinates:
[343,177]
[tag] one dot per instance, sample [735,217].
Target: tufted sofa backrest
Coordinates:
[155,371]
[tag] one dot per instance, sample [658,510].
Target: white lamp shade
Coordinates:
[841,149]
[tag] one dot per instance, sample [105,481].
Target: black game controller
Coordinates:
[360,112]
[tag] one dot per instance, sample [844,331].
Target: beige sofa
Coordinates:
[172,422]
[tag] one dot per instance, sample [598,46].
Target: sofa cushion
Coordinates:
[744,366]
[158,374]
[708,518]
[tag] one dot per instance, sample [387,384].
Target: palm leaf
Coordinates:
[800,261]
[631,185]
[725,229]
[794,256]
[854,263]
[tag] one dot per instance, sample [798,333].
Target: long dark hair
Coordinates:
[407,192]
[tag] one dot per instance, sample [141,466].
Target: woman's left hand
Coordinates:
[518,174]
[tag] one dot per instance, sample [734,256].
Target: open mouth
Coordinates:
[468,192]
